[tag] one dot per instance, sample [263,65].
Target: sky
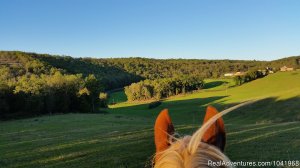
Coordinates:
[201,29]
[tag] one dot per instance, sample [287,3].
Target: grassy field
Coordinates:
[265,131]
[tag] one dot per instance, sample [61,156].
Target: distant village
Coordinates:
[267,70]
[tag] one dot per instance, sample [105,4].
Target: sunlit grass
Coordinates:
[282,85]
[266,130]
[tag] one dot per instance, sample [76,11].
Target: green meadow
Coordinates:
[267,130]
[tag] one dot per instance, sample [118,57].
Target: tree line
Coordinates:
[111,77]
[249,76]
[162,88]
[31,88]
[119,72]
[168,68]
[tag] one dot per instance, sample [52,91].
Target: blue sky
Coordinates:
[203,29]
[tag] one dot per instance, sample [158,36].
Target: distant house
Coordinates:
[239,73]
[234,74]
[285,68]
[228,74]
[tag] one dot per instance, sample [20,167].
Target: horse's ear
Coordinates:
[215,134]
[162,129]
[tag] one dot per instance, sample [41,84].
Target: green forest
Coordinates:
[162,88]
[35,84]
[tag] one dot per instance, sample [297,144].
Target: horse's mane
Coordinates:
[190,151]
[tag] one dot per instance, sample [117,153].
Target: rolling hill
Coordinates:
[34,84]
[119,72]
[123,137]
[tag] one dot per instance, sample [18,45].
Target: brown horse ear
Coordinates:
[162,129]
[215,134]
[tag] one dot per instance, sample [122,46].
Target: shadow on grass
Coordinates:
[191,111]
[267,142]
[266,116]
[213,84]
[268,110]
[250,129]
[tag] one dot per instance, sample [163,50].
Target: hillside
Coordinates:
[91,140]
[276,89]
[111,77]
[118,72]
[37,84]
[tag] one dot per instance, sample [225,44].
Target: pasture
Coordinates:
[264,131]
